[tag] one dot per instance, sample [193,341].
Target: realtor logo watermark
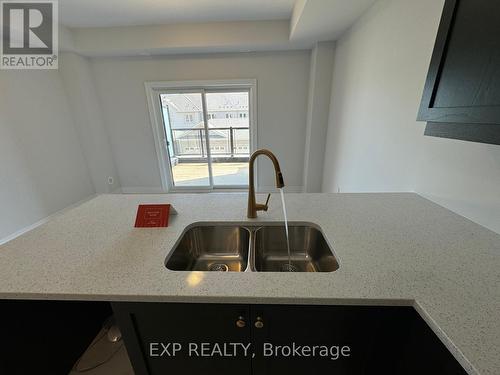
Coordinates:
[29,37]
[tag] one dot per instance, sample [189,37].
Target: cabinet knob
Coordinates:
[259,323]
[240,323]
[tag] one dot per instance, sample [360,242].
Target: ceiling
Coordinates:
[101,27]
[107,13]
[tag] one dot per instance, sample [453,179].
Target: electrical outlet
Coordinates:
[111,180]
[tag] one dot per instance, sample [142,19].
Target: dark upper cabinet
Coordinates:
[461,98]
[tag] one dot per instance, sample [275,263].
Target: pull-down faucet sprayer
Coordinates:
[253,207]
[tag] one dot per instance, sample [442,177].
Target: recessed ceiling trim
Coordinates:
[113,13]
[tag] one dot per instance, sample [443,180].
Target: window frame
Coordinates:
[153,91]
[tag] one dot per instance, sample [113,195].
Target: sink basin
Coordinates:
[252,247]
[308,249]
[211,248]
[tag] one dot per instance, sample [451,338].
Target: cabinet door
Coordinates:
[146,326]
[333,327]
[381,339]
[463,82]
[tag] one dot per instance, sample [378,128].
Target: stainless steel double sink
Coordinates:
[227,247]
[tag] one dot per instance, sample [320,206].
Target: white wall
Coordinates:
[320,77]
[282,82]
[42,168]
[379,71]
[80,88]
[374,142]
[462,176]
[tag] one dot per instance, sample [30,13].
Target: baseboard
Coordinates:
[24,230]
[272,189]
[142,190]
[159,190]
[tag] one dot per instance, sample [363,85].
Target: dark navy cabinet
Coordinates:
[461,98]
[374,339]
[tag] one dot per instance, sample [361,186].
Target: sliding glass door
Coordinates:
[229,136]
[208,137]
[184,126]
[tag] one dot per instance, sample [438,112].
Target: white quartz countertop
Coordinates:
[394,249]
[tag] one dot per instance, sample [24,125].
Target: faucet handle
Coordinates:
[267,200]
[263,207]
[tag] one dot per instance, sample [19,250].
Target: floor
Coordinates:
[101,351]
[118,365]
[196,174]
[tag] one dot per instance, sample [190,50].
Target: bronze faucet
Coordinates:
[252,206]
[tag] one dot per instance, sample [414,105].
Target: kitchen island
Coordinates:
[394,249]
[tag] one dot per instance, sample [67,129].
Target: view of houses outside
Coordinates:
[228,137]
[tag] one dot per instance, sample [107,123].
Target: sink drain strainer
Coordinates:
[288,268]
[221,267]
